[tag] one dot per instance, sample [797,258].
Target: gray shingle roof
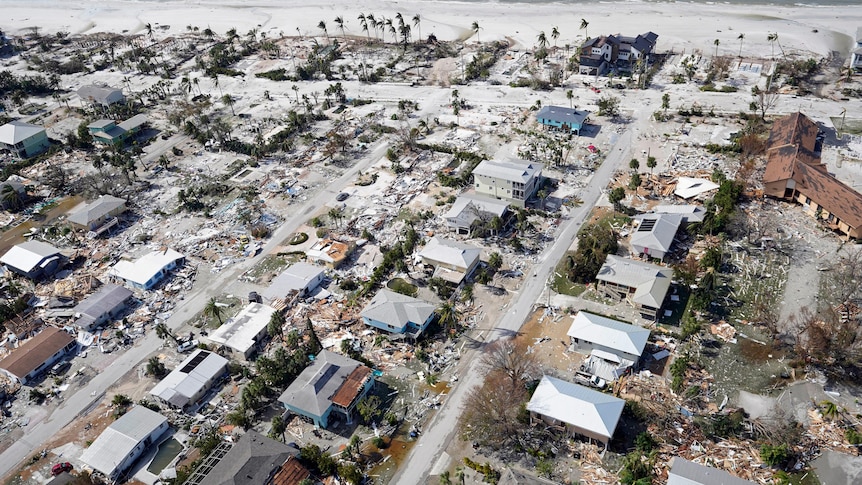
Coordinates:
[253,460]
[651,282]
[296,277]
[106,300]
[100,207]
[313,389]
[562,114]
[450,252]
[397,310]
[684,472]
[656,231]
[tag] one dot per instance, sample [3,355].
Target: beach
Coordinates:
[682,27]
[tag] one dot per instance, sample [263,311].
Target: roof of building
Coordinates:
[794,129]
[352,386]
[16,131]
[601,40]
[14,184]
[133,122]
[106,300]
[687,187]
[467,208]
[830,193]
[253,460]
[511,476]
[27,255]
[146,267]
[397,310]
[314,388]
[609,333]
[240,332]
[291,473]
[515,171]
[684,472]
[190,377]
[562,114]
[97,209]
[296,277]
[450,252]
[328,250]
[689,212]
[101,124]
[656,231]
[35,351]
[651,282]
[120,438]
[100,94]
[576,405]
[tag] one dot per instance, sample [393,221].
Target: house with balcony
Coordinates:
[655,233]
[23,140]
[453,261]
[513,181]
[470,209]
[243,334]
[99,216]
[561,118]
[328,388]
[100,95]
[795,173]
[613,346]
[600,54]
[643,285]
[398,315]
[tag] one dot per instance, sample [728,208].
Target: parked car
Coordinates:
[60,368]
[342,197]
[60,468]
[186,346]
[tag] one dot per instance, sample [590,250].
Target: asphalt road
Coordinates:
[443,427]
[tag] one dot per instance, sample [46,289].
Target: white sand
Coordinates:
[680,26]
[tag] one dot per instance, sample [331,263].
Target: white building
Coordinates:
[148,270]
[301,277]
[514,181]
[469,208]
[655,234]
[453,261]
[33,259]
[856,53]
[616,344]
[242,333]
[186,386]
[124,441]
[642,285]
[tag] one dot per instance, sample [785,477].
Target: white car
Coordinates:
[186,346]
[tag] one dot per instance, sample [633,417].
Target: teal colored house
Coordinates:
[23,139]
[106,131]
[397,314]
[561,118]
[328,389]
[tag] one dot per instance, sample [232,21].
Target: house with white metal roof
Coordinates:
[243,333]
[453,261]
[101,95]
[687,187]
[187,385]
[684,472]
[578,409]
[33,259]
[147,271]
[99,215]
[332,383]
[399,315]
[102,306]
[590,331]
[561,118]
[124,441]
[23,140]
[654,234]
[512,181]
[301,277]
[642,285]
[469,208]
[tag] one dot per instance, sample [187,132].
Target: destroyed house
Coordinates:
[513,181]
[102,306]
[254,460]
[332,384]
[187,385]
[642,285]
[654,234]
[100,215]
[107,131]
[124,441]
[37,355]
[399,315]
[101,95]
[23,140]
[795,173]
[300,277]
[561,118]
[7,201]
[469,209]
[684,472]
[148,270]
[452,261]
[690,213]
[329,253]
[33,259]
[577,409]
[242,334]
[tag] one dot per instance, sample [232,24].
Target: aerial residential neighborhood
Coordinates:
[430,243]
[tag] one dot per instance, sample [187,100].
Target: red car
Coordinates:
[60,468]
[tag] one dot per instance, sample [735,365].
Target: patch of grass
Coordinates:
[561,284]
[233,306]
[852,126]
[298,238]
[269,264]
[399,285]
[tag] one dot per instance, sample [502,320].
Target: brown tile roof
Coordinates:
[351,387]
[34,352]
[291,473]
[781,161]
[830,193]
[795,129]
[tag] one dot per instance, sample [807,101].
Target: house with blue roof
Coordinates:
[399,315]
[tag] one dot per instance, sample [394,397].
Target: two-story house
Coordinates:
[602,53]
[513,181]
[23,140]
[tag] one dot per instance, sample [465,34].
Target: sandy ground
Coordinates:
[684,27]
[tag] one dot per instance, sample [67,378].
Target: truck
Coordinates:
[586,379]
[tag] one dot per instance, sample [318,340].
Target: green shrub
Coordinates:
[774,455]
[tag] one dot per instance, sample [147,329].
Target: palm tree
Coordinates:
[555,34]
[417,20]
[339,21]
[716,42]
[335,215]
[475,27]
[228,100]
[741,38]
[276,325]
[149,29]
[460,475]
[448,316]
[495,261]
[542,39]
[584,25]
[363,22]
[10,198]
[214,77]
[295,89]
[830,410]
[373,23]
[772,38]
[570,96]
[322,26]
[214,310]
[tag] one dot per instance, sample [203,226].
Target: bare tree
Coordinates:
[492,411]
[764,99]
[511,359]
